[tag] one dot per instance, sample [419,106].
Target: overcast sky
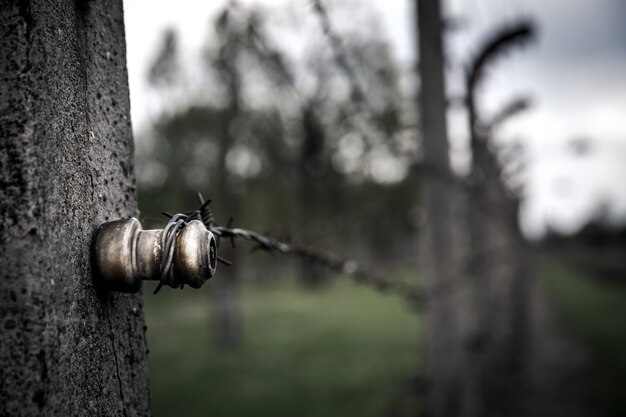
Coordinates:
[575,75]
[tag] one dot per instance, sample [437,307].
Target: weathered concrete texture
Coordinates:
[65,167]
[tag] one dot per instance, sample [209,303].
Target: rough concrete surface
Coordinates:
[66,166]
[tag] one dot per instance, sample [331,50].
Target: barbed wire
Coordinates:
[418,296]
[326,258]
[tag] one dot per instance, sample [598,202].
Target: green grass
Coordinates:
[346,351]
[595,312]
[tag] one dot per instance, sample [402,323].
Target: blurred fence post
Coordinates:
[442,327]
[498,259]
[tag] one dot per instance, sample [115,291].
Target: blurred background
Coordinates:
[303,120]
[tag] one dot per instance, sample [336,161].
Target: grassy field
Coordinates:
[346,351]
[595,313]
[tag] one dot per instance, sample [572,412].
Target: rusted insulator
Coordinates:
[124,255]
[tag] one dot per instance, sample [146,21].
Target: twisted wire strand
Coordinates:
[168,245]
[206,214]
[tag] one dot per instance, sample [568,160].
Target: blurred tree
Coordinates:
[313,165]
[226,317]
[303,156]
[164,71]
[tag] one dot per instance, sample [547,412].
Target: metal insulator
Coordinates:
[124,255]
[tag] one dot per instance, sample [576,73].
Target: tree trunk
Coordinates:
[310,190]
[227,320]
[66,166]
[437,244]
